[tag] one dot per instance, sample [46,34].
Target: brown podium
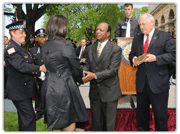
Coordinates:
[127,73]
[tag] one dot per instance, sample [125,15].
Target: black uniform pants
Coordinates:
[26,115]
[104,115]
[38,103]
[159,104]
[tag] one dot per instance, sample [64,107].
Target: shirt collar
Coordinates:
[103,43]
[152,32]
[17,42]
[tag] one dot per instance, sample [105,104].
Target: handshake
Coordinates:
[88,76]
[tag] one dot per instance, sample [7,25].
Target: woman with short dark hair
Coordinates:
[62,102]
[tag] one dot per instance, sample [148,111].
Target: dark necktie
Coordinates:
[146,44]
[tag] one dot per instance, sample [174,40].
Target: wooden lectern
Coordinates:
[127,73]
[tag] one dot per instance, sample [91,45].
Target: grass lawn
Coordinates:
[11,123]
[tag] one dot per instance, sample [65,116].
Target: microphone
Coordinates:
[124,26]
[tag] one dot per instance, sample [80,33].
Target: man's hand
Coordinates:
[134,58]
[89,76]
[151,58]
[42,68]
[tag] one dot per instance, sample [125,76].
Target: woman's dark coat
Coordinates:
[62,101]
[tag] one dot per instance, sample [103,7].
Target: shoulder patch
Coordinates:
[11,50]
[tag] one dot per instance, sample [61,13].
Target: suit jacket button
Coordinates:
[25,84]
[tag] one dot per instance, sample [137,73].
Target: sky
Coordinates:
[39,23]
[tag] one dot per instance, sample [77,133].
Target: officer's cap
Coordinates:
[17,25]
[31,36]
[40,32]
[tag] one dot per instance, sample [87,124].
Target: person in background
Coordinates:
[129,26]
[101,69]
[87,42]
[20,82]
[31,42]
[115,41]
[75,42]
[92,41]
[81,51]
[152,77]
[63,105]
[6,42]
[37,58]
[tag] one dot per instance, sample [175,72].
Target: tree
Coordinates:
[84,18]
[138,11]
[33,13]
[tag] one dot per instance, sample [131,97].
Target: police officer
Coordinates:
[21,83]
[31,42]
[37,58]
[129,26]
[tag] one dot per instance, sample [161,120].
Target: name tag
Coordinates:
[26,57]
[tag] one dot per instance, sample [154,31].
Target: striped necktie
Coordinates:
[99,50]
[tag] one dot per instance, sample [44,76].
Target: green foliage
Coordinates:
[84,18]
[138,11]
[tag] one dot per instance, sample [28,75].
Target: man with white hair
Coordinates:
[152,77]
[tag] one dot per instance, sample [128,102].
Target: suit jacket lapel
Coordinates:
[141,44]
[104,51]
[153,39]
[95,51]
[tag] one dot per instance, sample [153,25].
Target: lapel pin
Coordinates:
[155,37]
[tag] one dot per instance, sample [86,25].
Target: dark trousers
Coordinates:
[159,104]
[26,115]
[104,115]
[38,103]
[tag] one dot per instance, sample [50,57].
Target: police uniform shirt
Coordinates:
[21,71]
[37,55]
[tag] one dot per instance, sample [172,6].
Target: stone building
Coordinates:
[164,16]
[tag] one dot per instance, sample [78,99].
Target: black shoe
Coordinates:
[38,116]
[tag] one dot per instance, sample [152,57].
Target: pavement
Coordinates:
[84,89]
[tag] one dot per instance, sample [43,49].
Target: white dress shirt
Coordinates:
[128,29]
[150,36]
[102,45]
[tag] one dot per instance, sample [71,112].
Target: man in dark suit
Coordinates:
[152,77]
[101,69]
[20,82]
[129,26]
[81,50]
